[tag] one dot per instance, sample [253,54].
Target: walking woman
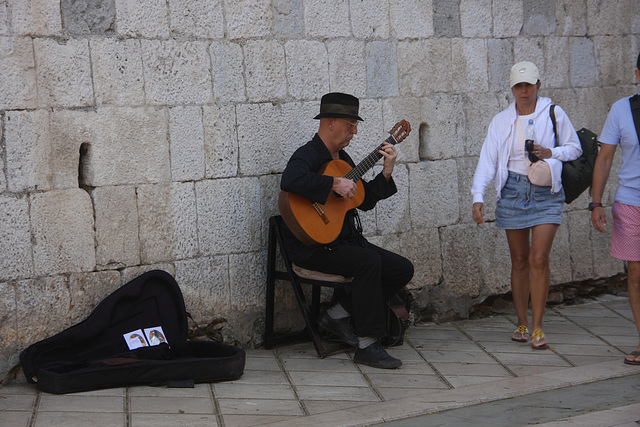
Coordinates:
[529,212]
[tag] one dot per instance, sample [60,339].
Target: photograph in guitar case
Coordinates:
[322,190]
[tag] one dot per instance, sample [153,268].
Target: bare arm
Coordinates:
[600,177]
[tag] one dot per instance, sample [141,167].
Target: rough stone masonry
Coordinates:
[142,134]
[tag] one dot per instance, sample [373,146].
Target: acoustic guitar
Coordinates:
[314,223]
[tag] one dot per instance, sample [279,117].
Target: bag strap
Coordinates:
[634,101]
[552,114]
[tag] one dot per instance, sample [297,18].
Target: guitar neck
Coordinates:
[356,173]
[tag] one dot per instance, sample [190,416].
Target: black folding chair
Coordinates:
[297,276]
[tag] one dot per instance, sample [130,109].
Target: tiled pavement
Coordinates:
[446,366]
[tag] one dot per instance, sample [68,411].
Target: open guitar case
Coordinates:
[135,336]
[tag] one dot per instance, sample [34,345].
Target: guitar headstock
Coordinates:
[400,131]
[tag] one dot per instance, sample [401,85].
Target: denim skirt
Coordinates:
[524,205]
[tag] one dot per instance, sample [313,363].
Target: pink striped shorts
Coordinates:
[625,236]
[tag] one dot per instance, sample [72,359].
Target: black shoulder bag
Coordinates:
[577,174]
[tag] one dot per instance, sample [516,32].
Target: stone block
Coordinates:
[248,278]
[126,145]
[15,244]
[8,324]
[269,192]
[168,222]
[265,66]
[186,132]
[370,19]
[581,251]
[307,68]
[445,127]
[571,17]
[327,19]
[28,150]
[63,65]
[227,70]
[462,251]
[248,18]
[42,307]
[116,226]
[5,20]
[411,19]
[446,18]
[476,18]
[608,58]
[433,194]
[176,72]
[539,18]
[347,63]
[117,71]
[424,67]
[556,59]
[500,62]
[142,18]
[469,60]
[62,228]
[422,247]
[288,18]
[204,282]
[409,109]
[3,177]
[87,290]
[297,124]
[35,18]
[39,154]
[17,73]
[84,17]
[382,69]
[203,19]
[612,18]
[220,141]
[261,127]
[479,110]
[582,63]
[392,214]
[228,215]
[508,18]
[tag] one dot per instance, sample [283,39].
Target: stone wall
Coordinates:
[141,134]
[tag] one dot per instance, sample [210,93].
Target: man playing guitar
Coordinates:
[359,317]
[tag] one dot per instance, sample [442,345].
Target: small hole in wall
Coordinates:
[83,166]
[423,138]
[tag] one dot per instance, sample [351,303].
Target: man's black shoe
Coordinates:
[341,328]
[376,356]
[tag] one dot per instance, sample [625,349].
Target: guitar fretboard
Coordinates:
[356,173]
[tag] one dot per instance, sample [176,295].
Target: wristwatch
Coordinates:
[594,205]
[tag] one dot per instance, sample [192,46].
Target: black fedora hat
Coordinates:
[336,104]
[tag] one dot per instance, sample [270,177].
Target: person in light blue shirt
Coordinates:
[620,129]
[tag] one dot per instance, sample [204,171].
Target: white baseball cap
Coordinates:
[526,72]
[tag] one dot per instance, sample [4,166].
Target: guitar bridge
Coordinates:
[318,209]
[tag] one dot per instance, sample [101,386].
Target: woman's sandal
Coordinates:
[634,361]
[539,341]
[521,334]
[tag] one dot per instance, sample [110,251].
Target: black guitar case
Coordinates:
[135,336]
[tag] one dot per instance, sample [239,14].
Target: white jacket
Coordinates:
[494,156]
